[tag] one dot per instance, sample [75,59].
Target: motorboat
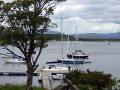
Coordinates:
[6,56]
[11,56]
[14,60]
[54,68]
[78,54]
[55,72]
[57,76]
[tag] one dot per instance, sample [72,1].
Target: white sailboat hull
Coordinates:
[14,60]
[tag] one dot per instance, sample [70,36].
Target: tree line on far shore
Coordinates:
[57,37]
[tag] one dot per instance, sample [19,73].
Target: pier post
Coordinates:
[45,80]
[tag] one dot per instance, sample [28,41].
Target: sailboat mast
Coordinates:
[68,47]
[76,37]
[62,34]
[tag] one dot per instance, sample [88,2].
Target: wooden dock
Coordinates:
[45,76]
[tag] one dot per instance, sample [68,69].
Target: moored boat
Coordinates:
[55,72]
[78,54]
[67,61]
[14,60]
[70,61]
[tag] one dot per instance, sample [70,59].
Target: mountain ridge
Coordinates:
[90,35]
[99,36]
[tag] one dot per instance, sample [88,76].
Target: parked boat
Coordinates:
[56,72]
[67,61]
[14,60]
[6,56]
[57,76]
[70,61]
[55,68]
[78,54]
[11,57]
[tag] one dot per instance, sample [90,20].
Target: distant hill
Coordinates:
[91,35]
[100,36]
[53,35]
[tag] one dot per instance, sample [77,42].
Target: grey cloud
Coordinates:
[97,14]
[92,16]
[98,1]
[95,9]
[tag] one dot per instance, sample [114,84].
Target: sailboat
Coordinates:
[78,54]
[71,60]
[11,57]
[66,60]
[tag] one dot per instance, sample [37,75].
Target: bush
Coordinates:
[91,80]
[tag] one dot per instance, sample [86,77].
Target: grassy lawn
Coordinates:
[17,87]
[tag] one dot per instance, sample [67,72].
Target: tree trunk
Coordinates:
[29,76]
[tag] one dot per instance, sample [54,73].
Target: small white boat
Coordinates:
[57,76]
[6,56]
[54,76]
[11,58]
[56,69]
[14,60]
[55,72]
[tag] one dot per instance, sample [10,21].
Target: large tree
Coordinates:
[22,25]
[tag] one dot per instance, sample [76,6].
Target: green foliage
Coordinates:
[22,25]
[17,87]
[58,37]
[91,80]
[24,21]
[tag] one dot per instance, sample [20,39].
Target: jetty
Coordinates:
[45,76]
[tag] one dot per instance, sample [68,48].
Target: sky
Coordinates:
[87,16]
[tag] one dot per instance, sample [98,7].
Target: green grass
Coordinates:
[17,87]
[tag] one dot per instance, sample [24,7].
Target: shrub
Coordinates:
[91,80]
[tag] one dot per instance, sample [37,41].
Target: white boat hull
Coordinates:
[14,60]
[58,72]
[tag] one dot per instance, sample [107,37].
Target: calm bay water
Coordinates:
[104,57]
